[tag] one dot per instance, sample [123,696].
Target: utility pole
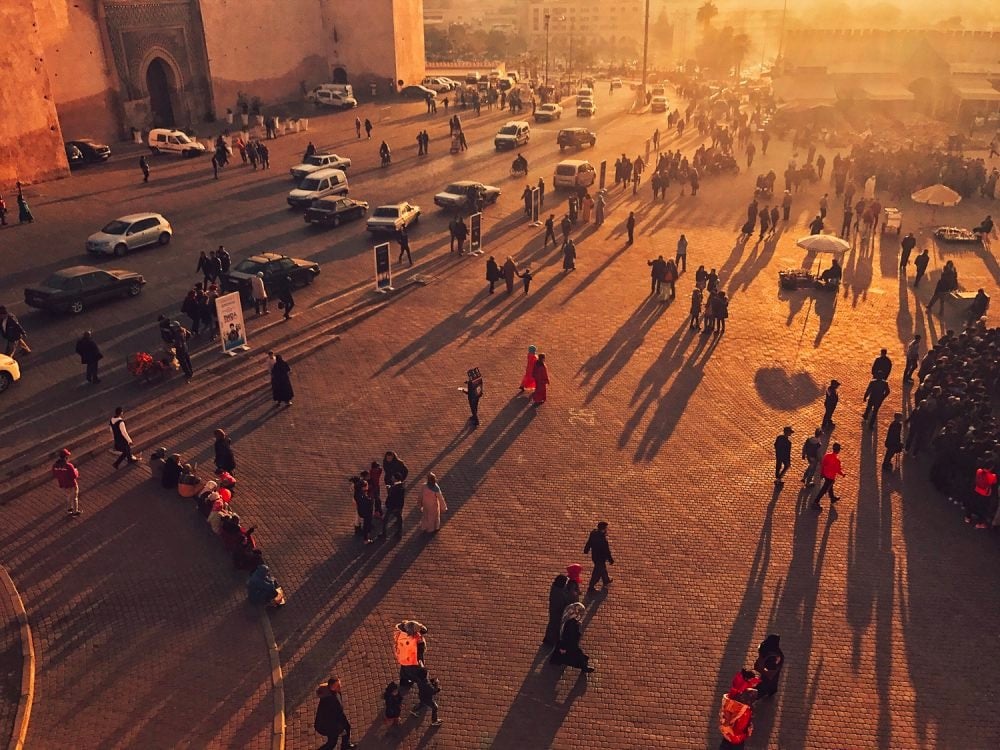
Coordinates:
[645,52]
[781,34]
[547,17]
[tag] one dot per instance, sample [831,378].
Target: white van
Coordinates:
[339,95]
[585,93]
[512,134]
[573,173]
[165,140]
[320,183]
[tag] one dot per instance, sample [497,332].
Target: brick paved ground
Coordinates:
[10,666]
[883,606]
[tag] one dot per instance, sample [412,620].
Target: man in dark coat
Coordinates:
[893,441]
[920,263]
[882,365]
[830,404]
[876,392]
[286,298]
[392,466]
[657,273]
[600,552]
[562,593]
[180,344]
[782,454]
[907,244]
[225,459]
[394,500]
[331,721]
[90,355]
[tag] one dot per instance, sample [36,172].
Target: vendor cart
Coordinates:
[956,234]
[892,219]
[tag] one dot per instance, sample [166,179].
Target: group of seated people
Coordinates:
[959,382]
[213,500]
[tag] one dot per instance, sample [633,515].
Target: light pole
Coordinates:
[547,17]
[645,51]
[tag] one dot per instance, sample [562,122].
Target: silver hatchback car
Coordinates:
[128,233]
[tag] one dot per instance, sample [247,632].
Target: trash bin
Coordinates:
[304,124]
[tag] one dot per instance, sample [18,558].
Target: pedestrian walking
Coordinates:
[474,391]
[404,246]
[526,196]
[565,590]
[830,399]
[696,298]
[811,449]
[541,193]
[670,277]
[144,166]
[215,166]
[566,225]
[394,500]
[657,274]
[368,128]
[24,215]
[882,365]
[912,358]
[824,206]
[906,246]
[550,230]
[13,333]
[432,505]
[357,127]
[331,721]
[492,272]
[599,206]
[461,232]
[528,381]
[181,335]
[876,392]
[427,689]
[599,549]
[541,374]
[509,272]
[281,382]
[630,227]
[122,440]
[786,205]
[286,301]
[258,292]
[893,441]
[681,258]
[829,469]
[225,458]
[770,660]
[569,256]
[920,263]
[567,651]
[782,455]
[90,355]
[67,476]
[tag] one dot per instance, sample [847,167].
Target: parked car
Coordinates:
[393,217]
[332,211]
[548,112]
[511,135]
[165,140]
[93,152]
[465,194]
[317,162]
[473,77]
[451,81]
[585,93]
[320,183]
[77,288]
[275,267]
[586,108]
[616,83]
[437,84]
[10,371]
[129,233]
[417,92]
[574,173]
[658,104]
[74,156]
[577,137]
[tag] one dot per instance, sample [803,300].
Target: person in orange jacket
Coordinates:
[829,469]
[736,710]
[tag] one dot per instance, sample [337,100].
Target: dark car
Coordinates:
[275,269]
[575,137]
[77,288]
[333,210]
[417,92]
[74,156]
[93,152]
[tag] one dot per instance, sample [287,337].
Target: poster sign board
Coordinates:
[536,206]
[383,268]
[604,174]
[476,234]
[232,329]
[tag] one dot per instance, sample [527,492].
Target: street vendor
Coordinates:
[832,275]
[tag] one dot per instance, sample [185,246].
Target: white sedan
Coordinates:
[548,112]
[317,162]
[393,217]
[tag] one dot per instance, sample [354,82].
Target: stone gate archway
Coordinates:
[161,84]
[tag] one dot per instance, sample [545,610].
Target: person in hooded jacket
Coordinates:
[225,459]
[568,652]
[563,592]
[331,721]
[770,661]
[263,589]
[409,645]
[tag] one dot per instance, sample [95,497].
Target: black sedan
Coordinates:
[74,156]
[333,211]
[276,268]
[417,92]
[77,288]
[92,151]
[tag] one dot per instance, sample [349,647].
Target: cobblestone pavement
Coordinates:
[883,605]
[10,666]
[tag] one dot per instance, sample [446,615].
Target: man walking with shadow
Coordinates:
[600,552]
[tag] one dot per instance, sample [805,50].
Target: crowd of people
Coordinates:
[900,172]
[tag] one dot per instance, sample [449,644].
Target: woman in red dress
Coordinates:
[528,381]
[541,382]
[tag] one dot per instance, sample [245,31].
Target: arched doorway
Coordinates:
[160,85]
[339,75]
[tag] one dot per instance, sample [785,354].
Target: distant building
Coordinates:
[595,23]
[109,66]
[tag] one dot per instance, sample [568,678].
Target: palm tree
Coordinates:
[706,13]
[739,47]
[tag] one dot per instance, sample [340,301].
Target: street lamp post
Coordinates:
[547,17]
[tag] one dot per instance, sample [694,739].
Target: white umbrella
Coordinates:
[824,243]
[937,195]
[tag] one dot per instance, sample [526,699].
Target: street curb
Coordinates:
[27,696]
[277,685]
[155,416]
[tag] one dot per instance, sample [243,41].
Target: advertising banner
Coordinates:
[604,175]
[383,268]
[476,234]
[232,329]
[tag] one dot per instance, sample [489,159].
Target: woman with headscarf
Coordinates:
[769,662]
[509,272]
[565,590]
[568,651]
[541,382]
[207,498]
[432,504]
[736,710]
[528,381]
[225,459]
[281,382]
